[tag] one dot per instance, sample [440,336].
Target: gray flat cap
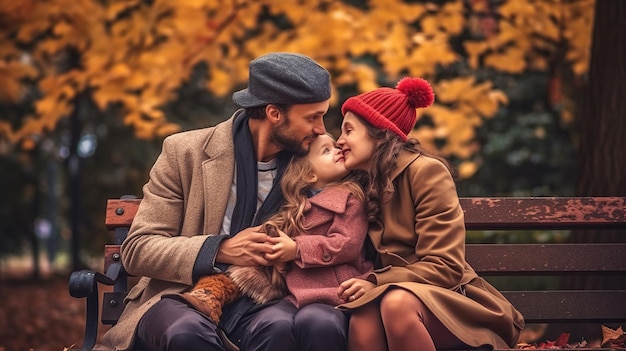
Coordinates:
[284,78]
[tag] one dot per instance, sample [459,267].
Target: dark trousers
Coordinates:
[173,325]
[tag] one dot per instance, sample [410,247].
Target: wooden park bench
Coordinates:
[512,215]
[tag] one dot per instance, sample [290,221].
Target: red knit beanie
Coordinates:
[392,109]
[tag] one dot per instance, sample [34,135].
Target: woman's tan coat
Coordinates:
[183,202]
[421,242]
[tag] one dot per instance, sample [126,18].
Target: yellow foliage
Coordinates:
[118,7]
[448,18]
[474,50]
[467,169]
[220,81]
[12,73]
[425,58]
[577,32]
[529,32]
[426,136]
[167,129]
[461,105]
[365,78]
[119,70]
[137,54]
[31,29]
[512,60]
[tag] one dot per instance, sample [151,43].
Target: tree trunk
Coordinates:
[602,149]
[603,122]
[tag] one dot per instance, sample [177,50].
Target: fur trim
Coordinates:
[262,284]
[211,293]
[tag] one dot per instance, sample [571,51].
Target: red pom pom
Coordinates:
[417,90]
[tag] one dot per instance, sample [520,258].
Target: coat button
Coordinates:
[326,257]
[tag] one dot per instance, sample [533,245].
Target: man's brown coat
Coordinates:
[185,199]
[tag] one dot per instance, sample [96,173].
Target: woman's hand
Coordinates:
[354,288]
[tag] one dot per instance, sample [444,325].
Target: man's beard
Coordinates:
[281,137]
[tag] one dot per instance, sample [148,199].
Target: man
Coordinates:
[208,192]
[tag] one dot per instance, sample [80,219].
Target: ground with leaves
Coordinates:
[39,315]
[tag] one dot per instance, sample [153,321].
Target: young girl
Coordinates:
[321,231]
[323,226]
[424,296]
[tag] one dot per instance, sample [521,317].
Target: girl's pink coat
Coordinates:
[332,249]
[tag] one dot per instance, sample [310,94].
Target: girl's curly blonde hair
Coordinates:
[296,186]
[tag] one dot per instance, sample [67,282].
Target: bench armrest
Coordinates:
[84,283]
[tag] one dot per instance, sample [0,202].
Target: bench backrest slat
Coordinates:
[560,306]
[504,259]
[546,259]
[544,213]
[120,212]
[485,213]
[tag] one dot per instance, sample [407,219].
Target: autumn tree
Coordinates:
[129,65]
[135,54]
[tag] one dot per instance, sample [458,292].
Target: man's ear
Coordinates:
[272,113]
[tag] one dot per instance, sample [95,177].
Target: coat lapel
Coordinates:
[333,199]
[217,173]
[405,158]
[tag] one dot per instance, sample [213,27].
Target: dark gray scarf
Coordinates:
[247,180]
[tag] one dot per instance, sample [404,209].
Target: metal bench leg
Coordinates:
[85,284]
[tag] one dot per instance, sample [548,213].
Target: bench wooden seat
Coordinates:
[507,215]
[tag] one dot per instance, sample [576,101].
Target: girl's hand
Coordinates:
[354,288]
[284,248]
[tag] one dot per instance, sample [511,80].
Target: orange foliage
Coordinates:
[529,33]
[136,54]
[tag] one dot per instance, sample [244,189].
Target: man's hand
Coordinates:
[284,248]
[354,288]
[247,248]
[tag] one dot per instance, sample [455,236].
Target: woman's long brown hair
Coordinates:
[383,162]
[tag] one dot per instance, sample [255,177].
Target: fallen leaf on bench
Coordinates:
[613,337]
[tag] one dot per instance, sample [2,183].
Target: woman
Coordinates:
[423,296]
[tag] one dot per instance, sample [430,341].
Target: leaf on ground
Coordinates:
[613,337]
[41,315]
[562,342]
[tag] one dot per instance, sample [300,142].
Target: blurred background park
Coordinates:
[530,101]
